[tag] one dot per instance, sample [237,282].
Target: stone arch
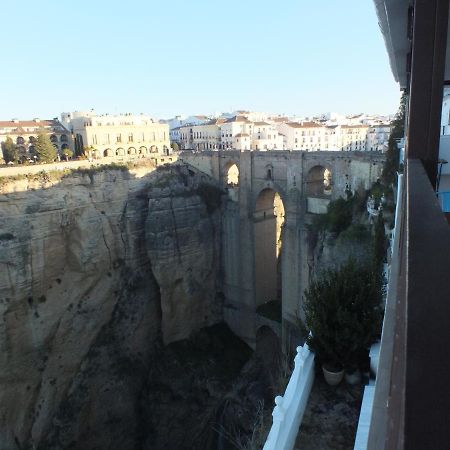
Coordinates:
[142,150]
[154,149]
[268,349]
[268,221]
[120,151]
[63,138]
[20,140]
[131,150]
[319,181]
[54,138]
[32,139]
[64,146]
[108,152]
[231,173]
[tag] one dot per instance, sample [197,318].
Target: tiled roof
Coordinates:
[260,124]
[242,135]
[238,119]
[304,125]
[28,123]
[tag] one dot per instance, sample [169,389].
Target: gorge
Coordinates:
[115,288]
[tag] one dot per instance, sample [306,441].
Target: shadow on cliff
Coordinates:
[99,269]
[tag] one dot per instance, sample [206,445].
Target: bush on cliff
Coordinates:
[211,196]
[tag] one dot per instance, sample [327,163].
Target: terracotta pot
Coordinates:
[333,378]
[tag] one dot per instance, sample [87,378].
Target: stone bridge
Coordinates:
[271,197]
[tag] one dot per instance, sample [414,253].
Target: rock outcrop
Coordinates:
[94,268]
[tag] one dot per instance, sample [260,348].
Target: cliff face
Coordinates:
[94,268]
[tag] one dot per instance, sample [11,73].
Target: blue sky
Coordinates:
[193,57]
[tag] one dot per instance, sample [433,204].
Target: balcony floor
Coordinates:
[331,417]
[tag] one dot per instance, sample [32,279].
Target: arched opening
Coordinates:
[20,140]
[154,149]
[63,138]
[268,349]
[131,151]
[318,182]
[120,152]
[142,150]
[108,152]
[54,138]
[232,174]
[64,146]
[268,226]
[32,139]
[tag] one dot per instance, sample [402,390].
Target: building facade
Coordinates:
[124,135]
[24,134]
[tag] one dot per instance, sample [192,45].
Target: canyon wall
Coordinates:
[97,268]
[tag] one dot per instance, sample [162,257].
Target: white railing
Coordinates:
[289,409]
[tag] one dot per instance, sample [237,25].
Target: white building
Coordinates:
[200,137]
[24,134]
[117,136]
[445,117]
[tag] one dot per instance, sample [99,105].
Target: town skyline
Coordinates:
[197,58]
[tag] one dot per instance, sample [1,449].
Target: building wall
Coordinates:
[118,136]
[24,132]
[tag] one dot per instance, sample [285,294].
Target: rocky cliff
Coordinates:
[96,267]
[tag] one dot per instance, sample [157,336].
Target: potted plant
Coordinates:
[343,316]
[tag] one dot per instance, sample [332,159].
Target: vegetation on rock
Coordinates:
[397,132]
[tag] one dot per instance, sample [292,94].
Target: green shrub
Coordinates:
[211,196]
[343,314]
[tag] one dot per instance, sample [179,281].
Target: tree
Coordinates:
[67,153]
[175,146]
[44,148]
[343,312]
[392,155]
[10,150]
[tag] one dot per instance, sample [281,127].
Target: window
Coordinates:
[119,138]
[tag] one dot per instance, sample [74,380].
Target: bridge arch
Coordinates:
[268,348]
[268,220]
[231,173]
[319,181]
